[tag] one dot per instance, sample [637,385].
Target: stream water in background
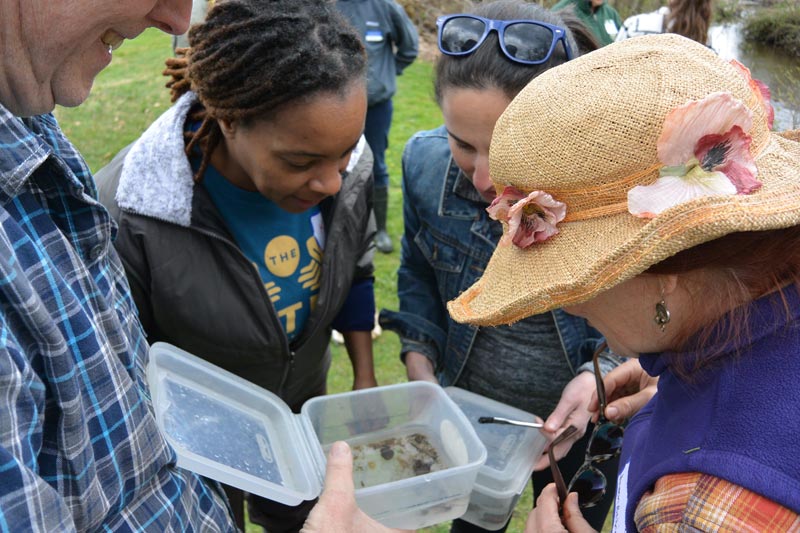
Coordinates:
[781,72]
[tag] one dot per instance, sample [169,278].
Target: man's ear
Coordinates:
[228,127]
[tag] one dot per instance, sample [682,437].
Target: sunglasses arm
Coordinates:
[598,378]
[554,470]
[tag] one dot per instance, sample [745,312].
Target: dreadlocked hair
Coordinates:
[251,57]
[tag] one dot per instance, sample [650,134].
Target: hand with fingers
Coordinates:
[337,511]
[545,517]
[628,389]
[572,410]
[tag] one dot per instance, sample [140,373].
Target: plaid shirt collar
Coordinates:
[34,140]
[29,152]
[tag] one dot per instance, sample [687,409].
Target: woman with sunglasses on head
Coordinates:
[449,237]
[675,230]
[244,211]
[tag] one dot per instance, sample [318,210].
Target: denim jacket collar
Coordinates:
[464,188]
[459,197]
[462,201]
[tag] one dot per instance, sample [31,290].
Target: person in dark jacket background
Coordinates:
[244,211]
[602,19]
[392,44]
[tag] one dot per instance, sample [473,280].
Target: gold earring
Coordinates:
[662,315]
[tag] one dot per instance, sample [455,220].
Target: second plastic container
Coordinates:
[512,452]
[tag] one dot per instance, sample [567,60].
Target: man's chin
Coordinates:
[71,87]
[73,97]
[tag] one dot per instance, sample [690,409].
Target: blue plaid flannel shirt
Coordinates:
[79,445]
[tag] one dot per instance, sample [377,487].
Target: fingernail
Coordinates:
[612,412]
[340,449]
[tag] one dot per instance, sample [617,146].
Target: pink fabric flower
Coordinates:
[760,89]
[530,218]
[705,151]
[498,209]
[718,153]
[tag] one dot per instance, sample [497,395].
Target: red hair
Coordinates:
[741,267]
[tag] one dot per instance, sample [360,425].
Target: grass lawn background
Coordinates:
[130,94]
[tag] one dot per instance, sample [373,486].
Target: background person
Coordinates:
[690,18]
[392,44]
[79,443]
[657,210]
[199,10]
[246,251]
[601,18]
[449,238]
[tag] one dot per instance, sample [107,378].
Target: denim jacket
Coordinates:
[447,243]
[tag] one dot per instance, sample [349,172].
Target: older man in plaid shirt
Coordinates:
[79,446]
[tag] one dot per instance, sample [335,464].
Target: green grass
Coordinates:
[130,94]
[126,98]
[414,110]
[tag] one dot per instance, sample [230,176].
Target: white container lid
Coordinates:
[230,430]
[512,451]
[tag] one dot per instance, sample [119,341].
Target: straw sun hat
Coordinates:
[660,117]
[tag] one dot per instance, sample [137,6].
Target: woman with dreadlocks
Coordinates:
[244,210]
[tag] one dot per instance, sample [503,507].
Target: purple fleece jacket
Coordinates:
[738,419]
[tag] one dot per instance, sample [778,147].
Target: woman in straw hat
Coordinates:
[543,363]
[643,190]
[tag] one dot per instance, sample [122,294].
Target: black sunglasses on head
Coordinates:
[529,42]
[604,444]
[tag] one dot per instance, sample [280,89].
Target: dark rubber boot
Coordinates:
[380,203]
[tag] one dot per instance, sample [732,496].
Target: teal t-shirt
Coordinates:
[286,248]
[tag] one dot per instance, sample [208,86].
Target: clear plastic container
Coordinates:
[416,456]
[512,452]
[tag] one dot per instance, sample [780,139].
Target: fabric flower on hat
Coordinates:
[760,89]
[705,149]
[531,218]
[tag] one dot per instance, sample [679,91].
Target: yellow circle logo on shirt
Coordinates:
[282,256]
